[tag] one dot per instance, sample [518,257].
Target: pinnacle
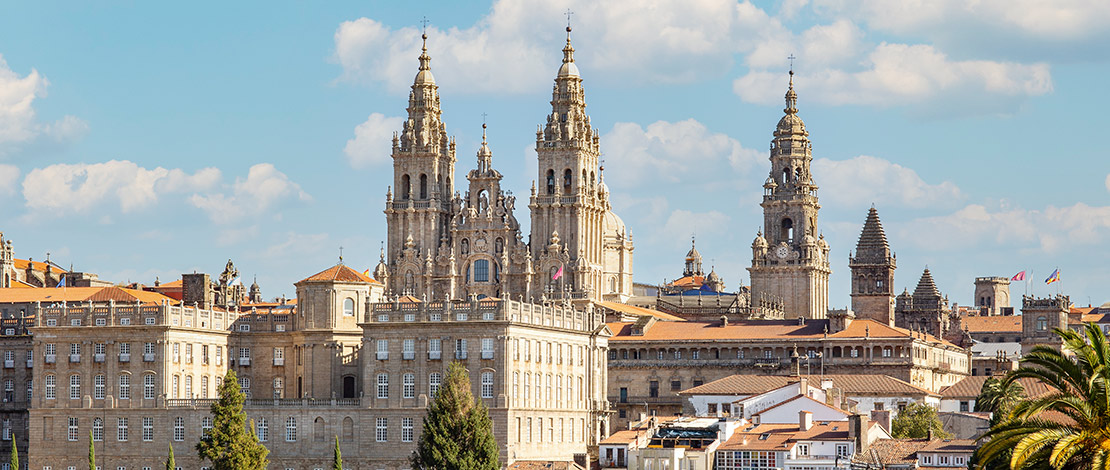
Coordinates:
[872,239]
[926,288]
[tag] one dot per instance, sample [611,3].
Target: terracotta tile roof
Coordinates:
[340,273]
[824,431]
[22,264]
[950,445]
[17,284]
[622,437]
[80,294]
[687,281]
[992,324]
[408,299]
[639,311]
[759,329]
[873,384]
[741,384]
[170,285]
[892,451]
[775,437]
[970,387]
[812,404]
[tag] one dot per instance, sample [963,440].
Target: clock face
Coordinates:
[783,251]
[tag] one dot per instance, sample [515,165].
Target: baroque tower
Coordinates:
[7,262]
[580,248]
[423,165]
[790,263]
[873,273]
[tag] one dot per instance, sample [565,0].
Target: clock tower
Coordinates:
[790,262]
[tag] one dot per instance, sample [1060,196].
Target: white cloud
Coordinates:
[866,179]
[18,123]
[373,141]
[1052,229]
[263,186]
[517,46]
[672,152]
[900,74]
[9,175]
[72,188]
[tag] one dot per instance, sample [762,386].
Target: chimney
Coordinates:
[803,386]
[855,432]
[883,417]
[724,321]
[805,420]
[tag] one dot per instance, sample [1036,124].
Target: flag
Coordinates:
[238,280]
[61,283]
[1018,277]
[558,273]
[366,272]
[1053,278]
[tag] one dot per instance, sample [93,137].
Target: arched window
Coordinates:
[785,175]
[405,187]
[348,386]
[567,179]
[593,178]
[1042,323]
[318,429]
[348,429]
[788,230]
[423,186]
[349,307]
[481,270]
[550,181]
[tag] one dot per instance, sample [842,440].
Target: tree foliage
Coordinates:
[14,460]
[458,433]
[229,445]
[92,453]
[916,421]
[337,458]
[1067,428]
[171,463]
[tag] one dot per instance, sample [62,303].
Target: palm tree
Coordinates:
[1079,434]
[998,396]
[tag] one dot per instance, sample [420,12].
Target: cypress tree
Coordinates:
[92,453]
[15,455]
[458,433]
[229,445]
[171,464]
[337,459]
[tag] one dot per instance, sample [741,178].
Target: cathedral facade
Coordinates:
[790,257]
[443,244]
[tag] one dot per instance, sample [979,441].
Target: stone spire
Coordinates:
[926,288]
[485,156]
[424,130]
[872,245]
[568,123]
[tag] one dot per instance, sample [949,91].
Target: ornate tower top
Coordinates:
[872,245]
[926,289]
[693,261]
[485,156]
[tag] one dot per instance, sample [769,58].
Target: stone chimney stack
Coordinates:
[805,420]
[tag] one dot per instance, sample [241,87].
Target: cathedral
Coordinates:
[790,257]
[443,243]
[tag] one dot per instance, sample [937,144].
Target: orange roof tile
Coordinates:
[741,385]
[687,281]
[639,311]
[892,451]
[408,299]
[80,294]
[969,387]
[824,431]
[340,273]
[759,329]
[622,437]
[38,265]
[775,437]
[991,324]
[950,445]
[17,284]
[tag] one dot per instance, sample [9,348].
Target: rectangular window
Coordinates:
[204,354]
[188,353]
[408,384]
[72,432]
[408,349]
[51,387]
[98,386]
[842,450]
[148,429]
[219,355]
[75,387]
[653,389]
[205,426]
[176,352]
[487,348]
[383,349]
[406,429]
[148,386]
[291,429]
[487,384]
[179,429]
[676,385]
[383,385]
[381,429]
[121,429]
[460,349]
[263,429]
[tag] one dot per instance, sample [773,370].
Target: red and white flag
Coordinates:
[1018,277]
[558,273]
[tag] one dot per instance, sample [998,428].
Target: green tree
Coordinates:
[14,455]
[171,464]
[998,396]
[458,433]
[1078,436]
[230,445]
[916,421]
[337,458]
[92,453]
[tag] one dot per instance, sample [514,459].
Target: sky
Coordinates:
[143,140]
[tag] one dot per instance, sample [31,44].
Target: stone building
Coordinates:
[992,295]
[925,310]
[1039,318]
[650,361]
[15,272]
[443,244]
[873,273]
[790,257]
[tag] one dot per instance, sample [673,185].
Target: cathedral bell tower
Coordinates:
[588,254]
[873,273]
[418,213]
[790,262]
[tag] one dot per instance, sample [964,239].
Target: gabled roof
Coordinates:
[969,387]
[623,437]
[892,451]
[81,294]
[992,324]
[803,398]
[340,273]
[761,329]
[37,265]
[950,445]
[741,385]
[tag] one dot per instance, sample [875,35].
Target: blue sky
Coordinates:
[141,140]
